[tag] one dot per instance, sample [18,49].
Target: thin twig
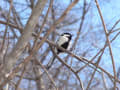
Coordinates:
[47,74]
[97,63]
[81,84]
[3,42]
[107,37]
[104,81]
[98,52]
[21,77]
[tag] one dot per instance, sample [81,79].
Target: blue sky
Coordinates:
[110,11]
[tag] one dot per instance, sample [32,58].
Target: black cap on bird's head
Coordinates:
[67,35]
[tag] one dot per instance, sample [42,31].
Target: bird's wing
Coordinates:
[62,40]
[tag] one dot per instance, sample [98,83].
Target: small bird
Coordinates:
[64,42]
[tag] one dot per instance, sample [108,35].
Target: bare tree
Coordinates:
[28,34]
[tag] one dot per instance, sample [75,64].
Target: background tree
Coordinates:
[28,29]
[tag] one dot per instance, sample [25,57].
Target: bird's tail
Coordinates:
[50,63]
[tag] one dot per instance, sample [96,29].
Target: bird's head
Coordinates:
[68,35]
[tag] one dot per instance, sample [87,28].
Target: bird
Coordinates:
[63,41]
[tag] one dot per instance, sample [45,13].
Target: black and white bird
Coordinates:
[64,41]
